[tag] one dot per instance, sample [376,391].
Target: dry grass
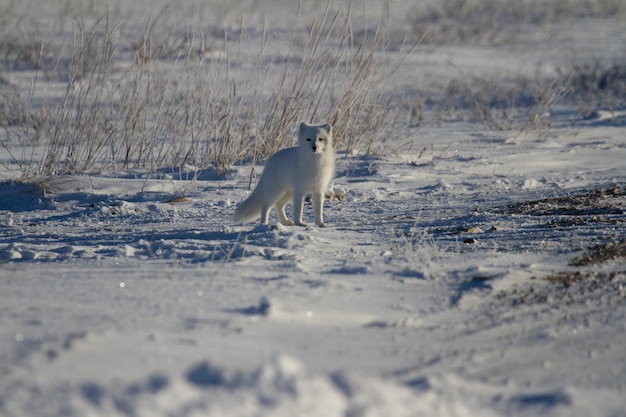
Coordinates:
[523,103]
[453,22]
[518,103]
[173,95]
[178,101]
[594,86]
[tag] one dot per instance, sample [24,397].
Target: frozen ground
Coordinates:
[477,272]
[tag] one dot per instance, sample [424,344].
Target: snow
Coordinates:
[132,292]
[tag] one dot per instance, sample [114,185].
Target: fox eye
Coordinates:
[308,139]
[320,139]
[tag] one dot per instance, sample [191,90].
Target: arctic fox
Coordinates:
[290,175]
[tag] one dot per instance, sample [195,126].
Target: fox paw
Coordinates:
[287,223]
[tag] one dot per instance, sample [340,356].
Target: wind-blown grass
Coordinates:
[208,108]
[175,95]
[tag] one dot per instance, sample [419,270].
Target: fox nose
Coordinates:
[314,148]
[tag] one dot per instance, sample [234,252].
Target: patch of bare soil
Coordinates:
[601,253]
[592,288]
[570,287]
[597,202]
[581,285]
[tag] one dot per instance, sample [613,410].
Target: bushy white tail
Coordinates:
[249,209]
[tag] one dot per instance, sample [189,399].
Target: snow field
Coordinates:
[473,263]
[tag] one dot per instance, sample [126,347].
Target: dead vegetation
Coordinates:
[595,86]
[598,272]
[580,285]
[603,252]
[451,22]
[525,103]
[181,95]
[597,202]
[569,288]
[172,100]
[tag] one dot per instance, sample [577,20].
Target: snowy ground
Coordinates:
[479,272]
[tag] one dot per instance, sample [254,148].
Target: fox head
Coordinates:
[317,138]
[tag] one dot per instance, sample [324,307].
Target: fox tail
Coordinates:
[249,209]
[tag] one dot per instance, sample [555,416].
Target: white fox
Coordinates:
[290,175]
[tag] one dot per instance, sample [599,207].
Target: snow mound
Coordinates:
[280,387]
[18,196]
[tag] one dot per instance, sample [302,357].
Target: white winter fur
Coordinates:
[290,175]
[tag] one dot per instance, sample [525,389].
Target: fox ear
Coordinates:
[303,127]
[328,128]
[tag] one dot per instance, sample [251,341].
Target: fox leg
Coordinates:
[265,213]
[271,199]
[318,209]
[280,209]
[298,206]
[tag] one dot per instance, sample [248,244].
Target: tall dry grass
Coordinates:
[147,104]
[166,94]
